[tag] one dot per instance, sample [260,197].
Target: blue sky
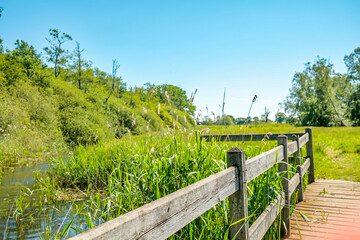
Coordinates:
[247,47]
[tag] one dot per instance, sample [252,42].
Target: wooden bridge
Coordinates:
[333,209]
[327,210]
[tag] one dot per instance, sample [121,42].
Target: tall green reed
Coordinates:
[119,176]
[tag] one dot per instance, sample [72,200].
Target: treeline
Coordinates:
[322,97]
[229,120]
[58,99]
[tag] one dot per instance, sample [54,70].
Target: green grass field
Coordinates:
[336,149]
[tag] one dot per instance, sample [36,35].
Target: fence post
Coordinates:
[309,153]
[238,200]
[297,156]
[284,169]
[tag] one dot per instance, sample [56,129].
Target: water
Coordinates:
[32,222]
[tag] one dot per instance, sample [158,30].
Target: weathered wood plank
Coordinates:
[259,164]
[292,148]
[327,210]
[344,219]
[297,156]
[344,183]
[303,139]
[294,182]
[238,201]
[249,137]
[162,218]
[305,166]
[332,195]
[309,153]
[284,169]
[327,228]
[334,216]
[264,221]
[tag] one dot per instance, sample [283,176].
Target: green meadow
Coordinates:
[336,149]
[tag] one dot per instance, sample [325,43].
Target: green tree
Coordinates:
[176,96]
[26,55]
[315,96]
[240,121]
[79,66]
[225,120]
[352,62]
[116,82]
[56,53]
[1,46]
[280,117]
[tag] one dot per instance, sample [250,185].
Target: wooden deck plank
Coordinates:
[334,207]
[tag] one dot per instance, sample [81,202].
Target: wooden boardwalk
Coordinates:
[333,211]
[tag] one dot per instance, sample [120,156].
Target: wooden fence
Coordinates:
[162,218]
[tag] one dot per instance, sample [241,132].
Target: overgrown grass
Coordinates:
[118,176]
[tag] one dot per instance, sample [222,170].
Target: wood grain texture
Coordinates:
[162,218]
[249,137]
[283,168]
[292,148]
[238,202]
[297,156]
[259,164]
[309,153]
[305,166]
[294,182]
[266,219]
[303,139]
[334,207]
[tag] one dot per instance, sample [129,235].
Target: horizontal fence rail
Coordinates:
[162,218]
[259,164]
[266,219]
[249,137]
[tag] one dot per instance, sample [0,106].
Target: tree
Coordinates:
[240,121]
[207,120]
[79,65]
[352,62]
[27,56]
[56,54]
[315,96]
[256,120]
[280,117]
[115,81]
[225,120]
[177,97]
[1,46]
[265,116]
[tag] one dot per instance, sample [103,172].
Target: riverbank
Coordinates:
[114,177]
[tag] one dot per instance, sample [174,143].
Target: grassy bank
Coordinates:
[121,175]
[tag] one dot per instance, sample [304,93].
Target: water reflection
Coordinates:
[35,221]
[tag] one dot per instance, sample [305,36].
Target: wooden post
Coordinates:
[284,169]
[297,156]
[309,153]
[238,200]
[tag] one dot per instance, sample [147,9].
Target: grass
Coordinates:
[336,149]
[119,176]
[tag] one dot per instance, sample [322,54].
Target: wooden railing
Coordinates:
[162,218]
